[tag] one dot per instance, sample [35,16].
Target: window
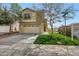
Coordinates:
[27,16]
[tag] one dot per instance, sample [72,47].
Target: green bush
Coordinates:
[55,39]
[42,39]
[76,42]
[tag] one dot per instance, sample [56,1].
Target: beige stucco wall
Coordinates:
[15,27]
[33,16]
[30,30]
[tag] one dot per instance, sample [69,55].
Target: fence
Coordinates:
[4,29]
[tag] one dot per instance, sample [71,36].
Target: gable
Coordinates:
[28,10]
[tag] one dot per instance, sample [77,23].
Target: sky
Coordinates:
[58,24]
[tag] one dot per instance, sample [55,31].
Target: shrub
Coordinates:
[41,39]
[55,39]
[76,42]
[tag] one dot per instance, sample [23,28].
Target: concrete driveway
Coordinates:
[22,45]
[17,44]
[14,39]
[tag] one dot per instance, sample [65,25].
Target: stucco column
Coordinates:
[72,32]
[42,28]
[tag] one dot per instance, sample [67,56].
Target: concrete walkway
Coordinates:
[22,49]
[23,46]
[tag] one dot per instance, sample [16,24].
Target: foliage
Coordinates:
[52,13]
[15,11]
[43,39]
[4,16]
[9,16]
[67,13]
[57,39]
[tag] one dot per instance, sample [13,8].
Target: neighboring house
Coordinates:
[69,29]
[75,29]
[32,21]
[62,30]
[50,30]
[4,29]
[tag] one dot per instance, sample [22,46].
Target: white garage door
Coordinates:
[76,32]
[31,30]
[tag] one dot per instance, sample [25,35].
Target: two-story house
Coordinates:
[32,21]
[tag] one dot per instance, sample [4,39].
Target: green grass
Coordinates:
[55,39]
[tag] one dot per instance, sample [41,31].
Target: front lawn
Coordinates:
[55,39]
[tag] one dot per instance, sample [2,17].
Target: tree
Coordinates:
[1,5]
[68,13]
[4,19]
[52,12]
[1,12]
[15,13]
[9,16]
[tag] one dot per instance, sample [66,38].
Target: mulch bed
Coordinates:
[3,35]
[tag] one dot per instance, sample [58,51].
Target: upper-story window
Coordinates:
[27,16]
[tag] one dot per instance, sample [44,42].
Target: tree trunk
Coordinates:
[51,24]
[72,32]
[65,29]
[51,27]
[10,28]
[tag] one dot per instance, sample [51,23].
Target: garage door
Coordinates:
[31,30]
